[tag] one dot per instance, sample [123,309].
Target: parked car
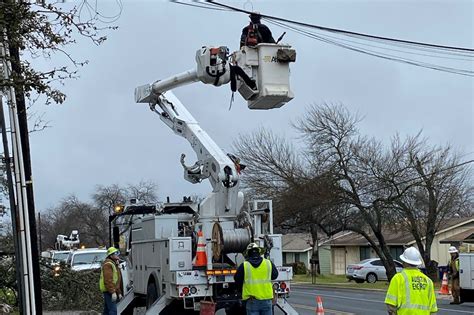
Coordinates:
[86,259]
[370,270]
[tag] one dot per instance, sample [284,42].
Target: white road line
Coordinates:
[374,301]
[336,296]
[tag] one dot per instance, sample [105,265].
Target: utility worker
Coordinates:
[256,32]
[454,272]
[255,277]
[111,281]
[410,291]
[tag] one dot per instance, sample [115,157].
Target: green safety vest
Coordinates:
[258,281]
[412,293]
[115,276]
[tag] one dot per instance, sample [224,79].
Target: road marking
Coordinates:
[374,301]
[328,311]
[337,296]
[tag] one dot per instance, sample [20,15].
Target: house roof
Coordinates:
[393,237]
[296,242]
[353,239]
[463,237]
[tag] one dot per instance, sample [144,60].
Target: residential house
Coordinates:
[296,247]
[348,247]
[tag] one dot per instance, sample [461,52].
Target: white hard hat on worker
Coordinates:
[452,250]
[411,256]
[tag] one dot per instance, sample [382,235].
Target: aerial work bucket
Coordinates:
[269,66]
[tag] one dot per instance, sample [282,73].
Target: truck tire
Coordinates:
[151,294]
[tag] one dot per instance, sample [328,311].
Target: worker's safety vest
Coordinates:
[454,265]
[258,281]
[412,293]
[114,277]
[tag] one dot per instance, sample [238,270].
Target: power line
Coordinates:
[376,53]
[328,29]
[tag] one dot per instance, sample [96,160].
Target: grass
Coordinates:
[341,281]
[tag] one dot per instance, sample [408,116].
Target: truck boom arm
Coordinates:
[211,162]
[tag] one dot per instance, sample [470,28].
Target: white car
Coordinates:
[370,270]
[86,259]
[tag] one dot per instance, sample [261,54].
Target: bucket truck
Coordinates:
[159,242]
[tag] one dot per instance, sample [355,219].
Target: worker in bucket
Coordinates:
[256,32]
[410,291]
[454,273]
[255,277]
[111,281]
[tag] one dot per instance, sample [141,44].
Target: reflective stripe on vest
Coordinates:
[407,307]
[258,281]
[114,277]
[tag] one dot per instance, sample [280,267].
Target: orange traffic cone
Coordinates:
[319,307]
[444,285]
[201,256]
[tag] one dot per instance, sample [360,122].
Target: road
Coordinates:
[363,302]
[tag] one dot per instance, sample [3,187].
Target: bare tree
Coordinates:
[144,191]
[107,197]
[302,199]
[345,181]
[440,189]
[72,214]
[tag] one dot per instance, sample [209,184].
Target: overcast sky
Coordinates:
[100,136]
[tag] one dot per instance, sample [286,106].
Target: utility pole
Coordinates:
[13,209]
[30,202]
[25,218]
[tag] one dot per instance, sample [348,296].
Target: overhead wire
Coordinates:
[381,47]
[375,53]
[203,5]
[412,47]
[324,28]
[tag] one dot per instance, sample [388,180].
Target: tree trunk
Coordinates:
[314,240]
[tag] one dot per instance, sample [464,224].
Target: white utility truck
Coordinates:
[466,277]
[160,242]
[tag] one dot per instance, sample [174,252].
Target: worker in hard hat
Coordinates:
[410,291]
[255,277]
[454,273]
[110,282]
[256,32]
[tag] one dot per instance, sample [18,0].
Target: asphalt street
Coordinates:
[360,302]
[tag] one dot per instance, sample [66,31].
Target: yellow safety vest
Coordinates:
[412,293]
[258,281]
[114,277]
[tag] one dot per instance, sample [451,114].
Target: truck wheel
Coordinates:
[151,294]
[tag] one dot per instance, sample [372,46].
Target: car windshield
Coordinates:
[60,256]
[88,258]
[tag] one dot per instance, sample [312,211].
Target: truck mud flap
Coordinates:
[125,302]
[158,306]
[285,307]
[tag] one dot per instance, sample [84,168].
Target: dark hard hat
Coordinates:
[255,17]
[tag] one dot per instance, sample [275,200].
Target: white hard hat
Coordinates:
[452,249]
[411,256]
